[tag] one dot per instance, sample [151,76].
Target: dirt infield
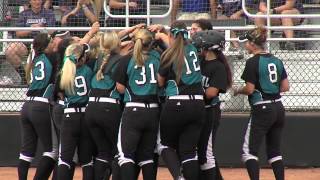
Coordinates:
[228,174]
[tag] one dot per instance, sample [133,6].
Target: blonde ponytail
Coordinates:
[109,42]
[68,72]
[143,39]
[138,56]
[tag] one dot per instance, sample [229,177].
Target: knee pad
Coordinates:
[274,159]
[87,164]
[160,148]
[246,157]
[61,162]
[185,160]
[122,160]
[142,163]
[53,155]
[26,158]
[102,160]
[211,163]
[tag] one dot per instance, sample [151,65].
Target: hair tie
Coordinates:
[72,57]
[176,31]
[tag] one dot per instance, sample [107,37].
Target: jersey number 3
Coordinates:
[40,67]
[273,75]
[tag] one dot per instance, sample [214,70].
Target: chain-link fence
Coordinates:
[301,58]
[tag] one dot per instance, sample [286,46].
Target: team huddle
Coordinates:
[115,101]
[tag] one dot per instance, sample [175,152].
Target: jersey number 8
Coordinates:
[273,75]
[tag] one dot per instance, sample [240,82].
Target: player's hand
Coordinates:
[235,90]
[133,5]
[155,27]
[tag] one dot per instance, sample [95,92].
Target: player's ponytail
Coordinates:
[175,54]
[109,42]
[40,44]
[258,36]
[68,72]
[222,58]
[143,40]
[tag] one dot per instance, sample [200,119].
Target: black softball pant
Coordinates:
[180,126]
[103,119]
[57,116]
[207,137]
[266,121]
[137,137]
[36,124]
[74,134]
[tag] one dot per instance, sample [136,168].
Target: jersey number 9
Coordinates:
[80,83]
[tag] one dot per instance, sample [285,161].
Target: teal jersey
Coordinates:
[82,86]
[266,72]
[41,77]
[141,83]
[106,87]
[190,82]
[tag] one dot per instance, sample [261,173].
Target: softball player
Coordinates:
[103,113]
[136,78]
[182,114]
[35,113]
[265,78]
[216,79]
[75,81]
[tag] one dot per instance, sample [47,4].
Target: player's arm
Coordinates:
[174,12]
[284,86]
[161,80]
[213,7]
[120,74]
[246,90]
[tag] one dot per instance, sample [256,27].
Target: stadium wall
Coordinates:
[300,144]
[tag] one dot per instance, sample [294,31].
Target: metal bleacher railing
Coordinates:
[302,64]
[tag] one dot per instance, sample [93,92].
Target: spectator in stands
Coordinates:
[26,5]
[117,7]
[282,7]
[192,10]
[231,10]
[82,15]
[35,16]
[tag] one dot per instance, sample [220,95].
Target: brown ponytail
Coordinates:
[259,36]
[175,54]
[40,44]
